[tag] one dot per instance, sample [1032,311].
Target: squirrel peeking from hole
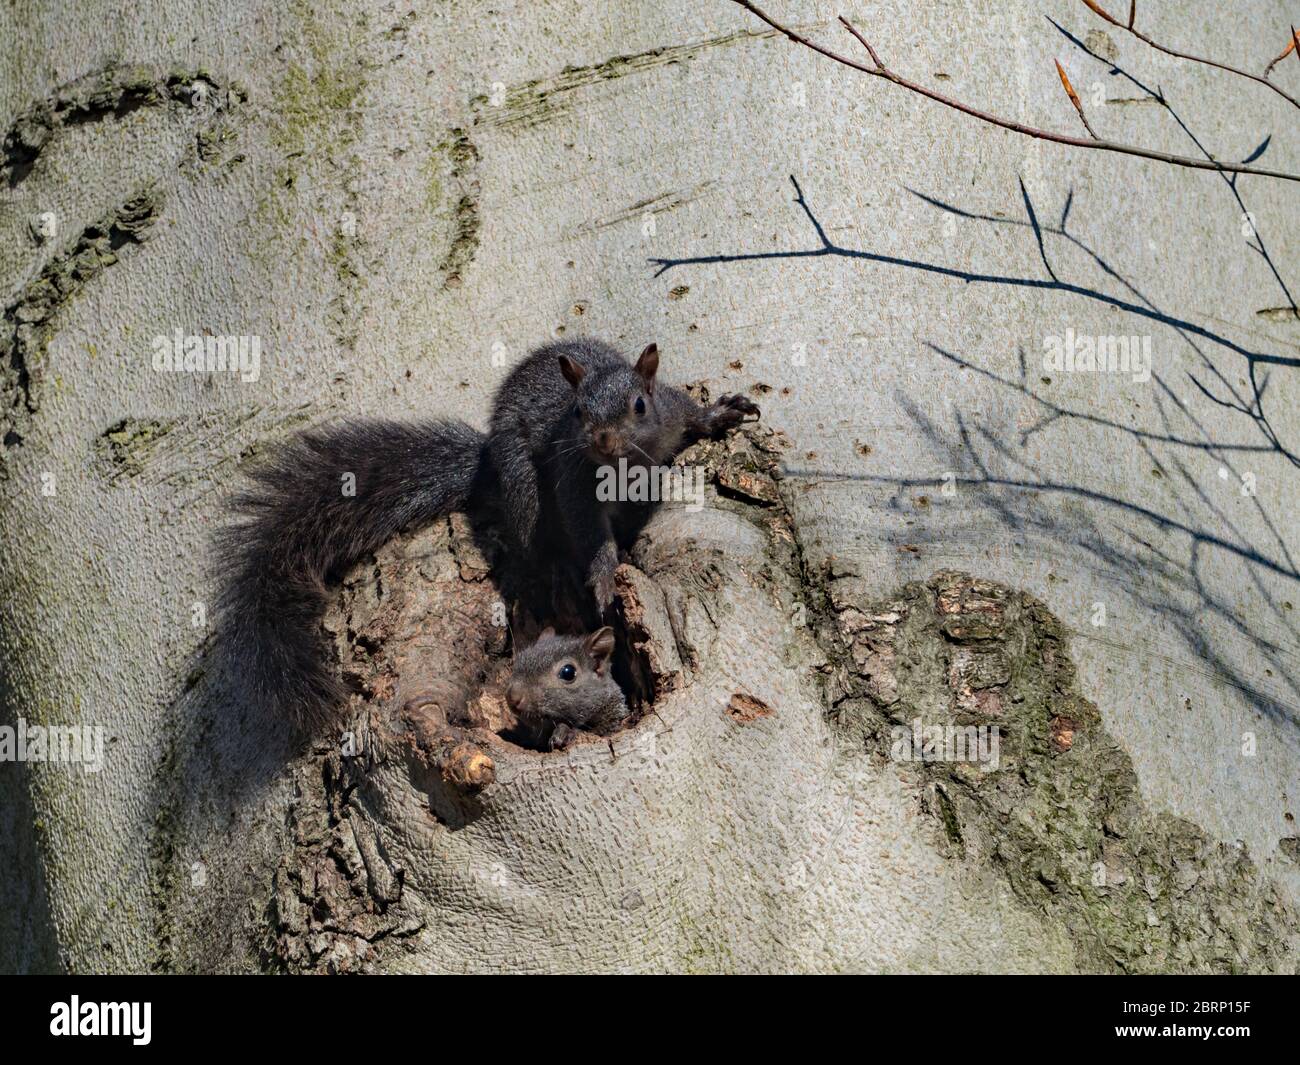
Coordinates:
[567,410]
[558,686]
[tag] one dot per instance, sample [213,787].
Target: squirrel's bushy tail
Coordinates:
[322,501]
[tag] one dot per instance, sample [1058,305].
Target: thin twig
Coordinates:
[667,727]
[1290,47]
[1099,10]
[881,71]
[1074,98]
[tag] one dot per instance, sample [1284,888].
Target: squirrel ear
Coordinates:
[546,633]
[600,645]
[648,365]
[573,371]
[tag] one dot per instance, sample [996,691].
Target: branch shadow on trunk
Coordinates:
[1018,493]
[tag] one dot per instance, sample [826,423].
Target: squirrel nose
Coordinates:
[515,696]
[606,441]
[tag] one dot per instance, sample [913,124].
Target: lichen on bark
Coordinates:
[1062,817]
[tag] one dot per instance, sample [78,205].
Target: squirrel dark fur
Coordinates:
[559,415]
[558,686]
[570,408]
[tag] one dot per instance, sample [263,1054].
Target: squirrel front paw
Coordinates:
[561,736]
[730,411]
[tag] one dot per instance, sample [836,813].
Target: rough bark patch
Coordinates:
[744,708]
[545,99]
[1061,817]
[28,322]
[110,93]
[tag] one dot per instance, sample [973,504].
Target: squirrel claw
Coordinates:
[741,403]
[561,737]
[730,411]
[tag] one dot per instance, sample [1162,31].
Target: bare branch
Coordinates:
[880,67]
[882,71]
[1074,98]
[1097,9]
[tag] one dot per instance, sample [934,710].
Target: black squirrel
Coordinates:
[562,684]
[332,495]
[557,686]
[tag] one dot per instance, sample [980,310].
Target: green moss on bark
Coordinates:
[1061,818]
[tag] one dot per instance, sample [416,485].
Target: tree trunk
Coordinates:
[936,525]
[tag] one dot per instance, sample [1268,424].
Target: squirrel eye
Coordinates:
[566,673]
[639,405]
